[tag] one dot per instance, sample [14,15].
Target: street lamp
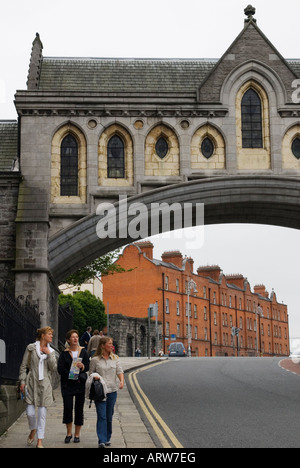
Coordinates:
[258,313]
[190,285]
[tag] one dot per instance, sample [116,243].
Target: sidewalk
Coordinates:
[129,430]
[290,365]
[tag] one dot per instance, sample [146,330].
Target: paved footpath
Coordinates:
[291,365]
[129,430]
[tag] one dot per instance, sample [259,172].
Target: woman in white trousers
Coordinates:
[39,362]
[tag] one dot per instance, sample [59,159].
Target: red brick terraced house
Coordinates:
[226,317]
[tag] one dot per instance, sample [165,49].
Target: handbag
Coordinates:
[96,392]
[20,396]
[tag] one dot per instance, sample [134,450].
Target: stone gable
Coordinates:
[250,45]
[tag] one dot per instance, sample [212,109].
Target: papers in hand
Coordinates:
[74,370]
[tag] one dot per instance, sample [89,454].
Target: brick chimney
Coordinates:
[190,263]
[174,257]
[237,280]
[211,271]
[147,248]
[261,290]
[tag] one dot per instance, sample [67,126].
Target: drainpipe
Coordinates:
[236,324]
[209,314]
[163,312]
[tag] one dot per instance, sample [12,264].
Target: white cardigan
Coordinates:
[89,383]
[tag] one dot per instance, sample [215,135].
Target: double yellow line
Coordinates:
[163,432]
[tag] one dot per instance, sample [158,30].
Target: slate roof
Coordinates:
[165,264]
[128,75]
[295,65]
[8,144]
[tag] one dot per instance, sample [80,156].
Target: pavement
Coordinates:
[129,431]
[291,365]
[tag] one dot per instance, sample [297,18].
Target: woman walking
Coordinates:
[38,364]
[108,366]
[73,364]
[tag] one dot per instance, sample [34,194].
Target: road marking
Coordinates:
[159,426]
[281,365]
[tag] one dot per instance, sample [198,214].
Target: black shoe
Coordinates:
[68,439]
[108,444]
[76,440]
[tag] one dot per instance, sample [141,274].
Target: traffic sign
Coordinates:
[235,331]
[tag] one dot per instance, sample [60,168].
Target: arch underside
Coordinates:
[254,200]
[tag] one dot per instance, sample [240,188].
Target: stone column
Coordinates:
[31,267]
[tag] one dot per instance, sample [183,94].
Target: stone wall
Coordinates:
[10,407]
[130,333]
[9,188]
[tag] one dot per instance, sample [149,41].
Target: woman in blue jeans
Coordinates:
[106,364]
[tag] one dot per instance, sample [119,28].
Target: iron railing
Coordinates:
[65,323]
[19,320]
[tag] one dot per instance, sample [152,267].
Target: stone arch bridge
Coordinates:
[220,132]
[258,200]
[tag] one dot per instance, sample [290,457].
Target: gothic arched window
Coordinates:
[115,158]
[69,166]
[252,120]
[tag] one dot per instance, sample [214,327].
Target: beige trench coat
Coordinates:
[38,392]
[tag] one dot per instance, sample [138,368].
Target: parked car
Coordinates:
[177,349]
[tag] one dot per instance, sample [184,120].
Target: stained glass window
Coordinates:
[296,148]
[207,148]
[162,147]
[251,120]
[115,158]
[69,167]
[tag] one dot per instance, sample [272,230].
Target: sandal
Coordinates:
[29,440]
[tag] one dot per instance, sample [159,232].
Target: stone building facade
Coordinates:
[133,337]
[10,179]
[224,132]
[221,304]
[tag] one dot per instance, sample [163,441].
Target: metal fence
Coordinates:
[65,323]
[19,320]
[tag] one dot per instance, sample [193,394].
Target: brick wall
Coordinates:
[219,304]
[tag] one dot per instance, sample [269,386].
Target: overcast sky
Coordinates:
[165,28]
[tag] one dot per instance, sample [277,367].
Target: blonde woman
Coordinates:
[108,366]
[39,362]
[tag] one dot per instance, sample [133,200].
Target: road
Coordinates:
[223,402]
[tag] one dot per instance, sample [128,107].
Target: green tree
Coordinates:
[88,310]
[101,266]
